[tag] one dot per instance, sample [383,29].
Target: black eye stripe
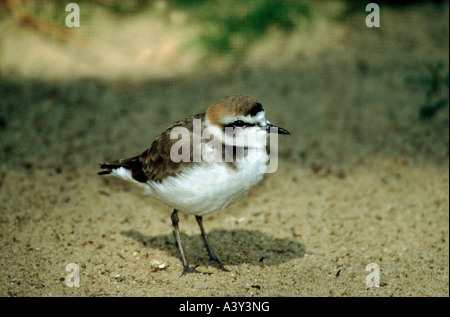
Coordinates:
[239,124]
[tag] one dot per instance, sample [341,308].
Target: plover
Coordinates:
[221,154]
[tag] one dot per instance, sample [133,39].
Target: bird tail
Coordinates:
[132,164]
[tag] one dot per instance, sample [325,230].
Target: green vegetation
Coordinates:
[231,26]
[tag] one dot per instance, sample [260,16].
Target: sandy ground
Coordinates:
[360,180]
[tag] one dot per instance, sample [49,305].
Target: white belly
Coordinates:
[205,189]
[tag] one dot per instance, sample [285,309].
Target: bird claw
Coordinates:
[188,269]
[216,263]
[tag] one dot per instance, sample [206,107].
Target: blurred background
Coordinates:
[363,176]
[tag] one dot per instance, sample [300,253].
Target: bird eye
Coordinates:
[239,123]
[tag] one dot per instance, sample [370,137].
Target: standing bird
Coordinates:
[221,154]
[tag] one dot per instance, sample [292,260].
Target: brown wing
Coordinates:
[156,161]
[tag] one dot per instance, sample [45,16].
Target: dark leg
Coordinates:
[186,268]
[213,260]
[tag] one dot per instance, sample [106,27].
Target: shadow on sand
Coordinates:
[233,247]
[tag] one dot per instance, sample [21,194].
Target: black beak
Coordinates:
[273,128]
